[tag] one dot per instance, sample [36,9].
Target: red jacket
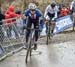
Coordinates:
[10,14]
[64,11]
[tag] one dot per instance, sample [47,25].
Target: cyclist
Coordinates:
[64,11]
[50,14]
[32,15]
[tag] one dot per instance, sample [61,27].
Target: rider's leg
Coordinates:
[29,24]
[27,35]
[53,26]
[46,22]
[36,26]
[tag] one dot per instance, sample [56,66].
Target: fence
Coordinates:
[11,36]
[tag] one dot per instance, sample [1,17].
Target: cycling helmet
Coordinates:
[53,4]
[32,6]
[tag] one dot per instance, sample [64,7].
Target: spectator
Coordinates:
[18,11]
[59,7]
[11,24]
[64,11]
[20,21]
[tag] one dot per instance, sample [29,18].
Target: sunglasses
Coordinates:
[32,9]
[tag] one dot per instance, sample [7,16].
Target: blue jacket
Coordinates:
[38,14]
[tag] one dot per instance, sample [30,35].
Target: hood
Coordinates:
[11,8]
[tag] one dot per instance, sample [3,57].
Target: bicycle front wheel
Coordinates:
[27,53]
[47,35]
[29,50]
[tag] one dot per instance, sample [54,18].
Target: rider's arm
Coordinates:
[56,12]
[46,11]
[26,14]
[41,18]
[39,14]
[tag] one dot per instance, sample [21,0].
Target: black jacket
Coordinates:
[1,18]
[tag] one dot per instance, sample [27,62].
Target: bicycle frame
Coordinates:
[31,36]
[48,31]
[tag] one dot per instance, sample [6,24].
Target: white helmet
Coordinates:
[32,6]
[53,4]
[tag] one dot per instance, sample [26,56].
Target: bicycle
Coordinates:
[30,43]
[49,28]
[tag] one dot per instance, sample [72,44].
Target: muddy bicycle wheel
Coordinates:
[47,36]
[27,53]
[49,33]
[47,40]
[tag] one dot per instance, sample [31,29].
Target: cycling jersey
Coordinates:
[37,14]
[51,12]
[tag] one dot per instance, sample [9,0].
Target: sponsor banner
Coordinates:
[63,23]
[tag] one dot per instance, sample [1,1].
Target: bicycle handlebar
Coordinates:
[33,29]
